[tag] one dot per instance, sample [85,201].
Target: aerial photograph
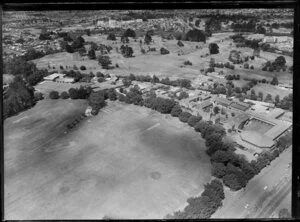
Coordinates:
[147,114]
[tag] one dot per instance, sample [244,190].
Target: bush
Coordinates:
[180,44]
[184,116]
[38,96]
[64,95]
[213,48]
[53,95]
[187,63]
[111,36]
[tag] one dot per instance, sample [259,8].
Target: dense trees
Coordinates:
[213,48]
[91,54]
[203,206]
[183,95]
[147,39]
[18,97]
[64,95]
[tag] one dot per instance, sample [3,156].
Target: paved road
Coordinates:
[264,195]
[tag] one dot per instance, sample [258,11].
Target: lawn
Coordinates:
[127,162]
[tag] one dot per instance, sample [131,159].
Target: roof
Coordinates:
[240,105]
[278,129]
[257,139]
[204,104]
[275,113]
[53,76]
[223,101]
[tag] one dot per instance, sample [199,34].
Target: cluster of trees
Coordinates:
[76,46]
[129,33]
[277,65]
[286,102]
[126,51]
[193,35]
[77,75]
[233,77]
[244,26]
[73,93]
[204,206]
[243,42]
[148,38]
[19,97]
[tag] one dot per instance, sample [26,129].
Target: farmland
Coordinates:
[142,168]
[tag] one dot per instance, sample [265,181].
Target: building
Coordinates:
[205,106]
[223,101]
[53,77]
[240,106]
[65,80]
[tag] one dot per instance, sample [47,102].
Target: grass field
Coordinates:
[270,89]
[127,162]
[171,65]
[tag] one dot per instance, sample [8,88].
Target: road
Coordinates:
[265,194]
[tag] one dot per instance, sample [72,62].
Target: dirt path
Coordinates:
[264,195]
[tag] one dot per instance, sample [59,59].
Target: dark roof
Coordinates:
[240,106]
[223,101]
[204,104]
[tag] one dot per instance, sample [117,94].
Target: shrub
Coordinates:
[53,95]
[111,36]
[187,63]
[180,44]
[38,96]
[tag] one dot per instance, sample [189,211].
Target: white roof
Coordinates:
[54,76]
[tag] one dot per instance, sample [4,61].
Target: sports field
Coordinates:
[127,162]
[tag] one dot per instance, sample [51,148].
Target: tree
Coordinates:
[216,109]
[180,44]
[176,111]
[155,79]
[129,33]
[277,99]
[274,81]
[260,95]
[126,82]
[77,44]
[218,169]
[64,95]
[96,101]
[183,95]
[53,95]
[91,54]
[268,98]
[111,36]
[213,48]
[73,93]
[164,51]
[38,96]
[104,61]
[193,120]
[82,68]
[112,94]
[280,61]
[184,116]
[147,38]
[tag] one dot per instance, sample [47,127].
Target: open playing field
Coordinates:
[127,162]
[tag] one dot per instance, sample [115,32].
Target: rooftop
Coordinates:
[223,101]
